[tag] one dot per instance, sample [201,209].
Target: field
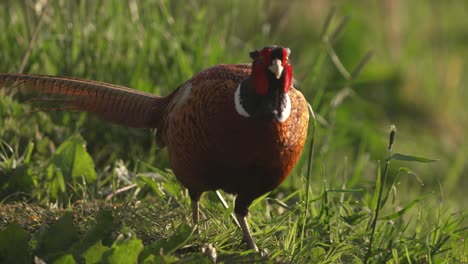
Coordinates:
[75,189]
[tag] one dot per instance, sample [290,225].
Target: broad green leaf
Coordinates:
[406,208]
[14,245]
[20,179]
[65,259]
[124,251]
[151,259]
[183,234]
[317,254]
[15,172]
[58,238]
[105,225]
[168,259]
[95,253]
[56,183]
[402,157]
[73,160]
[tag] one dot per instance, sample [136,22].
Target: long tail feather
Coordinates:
[114,103]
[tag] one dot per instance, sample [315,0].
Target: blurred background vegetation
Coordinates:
[417,78]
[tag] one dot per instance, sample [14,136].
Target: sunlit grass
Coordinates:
[324,217]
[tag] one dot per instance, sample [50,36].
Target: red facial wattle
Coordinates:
[259,65]
[288,71]
[259,78]
[260,69]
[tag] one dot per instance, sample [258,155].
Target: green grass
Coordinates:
[359,201]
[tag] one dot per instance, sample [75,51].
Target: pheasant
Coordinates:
[239,128]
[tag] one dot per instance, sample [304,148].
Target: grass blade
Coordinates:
[402,157]
[406,208]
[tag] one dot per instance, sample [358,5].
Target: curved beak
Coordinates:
[276,68]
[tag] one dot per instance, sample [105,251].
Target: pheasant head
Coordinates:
[265,95]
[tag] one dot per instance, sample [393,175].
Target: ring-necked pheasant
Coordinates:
[239,128]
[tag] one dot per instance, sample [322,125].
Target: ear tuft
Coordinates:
[254,54]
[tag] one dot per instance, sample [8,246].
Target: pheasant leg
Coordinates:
[195,212]
[246,232]
[241,210]
[195,203]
